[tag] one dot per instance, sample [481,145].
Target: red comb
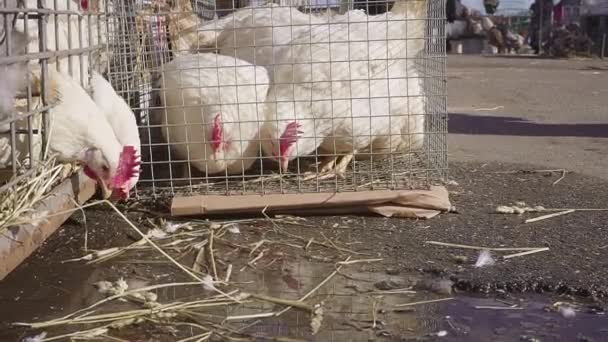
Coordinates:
[216,133]
[128,167]
[290,136]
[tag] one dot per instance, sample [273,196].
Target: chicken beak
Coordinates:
[106,192]
[284,164]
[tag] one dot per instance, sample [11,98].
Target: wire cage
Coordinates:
[36,35]
[285,97]
[350,71]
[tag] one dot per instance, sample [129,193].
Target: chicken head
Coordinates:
[128,167]
[97,167]
[287,142]
[114,181]
[217,135]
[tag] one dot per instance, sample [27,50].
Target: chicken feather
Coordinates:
[211,97]
[79,132]
[347,85]
[66,33]
[120,116]
[254,34]
[13,75]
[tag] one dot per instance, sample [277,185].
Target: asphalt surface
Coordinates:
[525,110]
[507,115]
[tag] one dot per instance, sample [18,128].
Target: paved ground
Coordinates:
[533,126]
[550,112]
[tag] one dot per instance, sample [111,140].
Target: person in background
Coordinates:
[450,10]
[491,6]
[538,20]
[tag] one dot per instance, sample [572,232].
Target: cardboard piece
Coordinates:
[405,203]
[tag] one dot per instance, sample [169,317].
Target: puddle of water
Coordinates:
[464,322]
[354,309]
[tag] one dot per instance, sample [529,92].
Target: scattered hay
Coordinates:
[208,243]
[521,208]
[16,204]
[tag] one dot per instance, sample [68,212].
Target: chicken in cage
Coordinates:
[57,108]
[12,43]
[272,97]
[245,95]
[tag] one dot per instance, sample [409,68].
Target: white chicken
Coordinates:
[13,74]
[212,104]
[64,34]
[254,34]
[79,132]
[344,87]
[120,116]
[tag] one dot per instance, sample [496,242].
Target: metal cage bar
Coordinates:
[222,101]
[355,88]
[36,35]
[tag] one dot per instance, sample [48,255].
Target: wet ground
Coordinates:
[508,301]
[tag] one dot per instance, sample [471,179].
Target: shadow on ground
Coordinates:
[460,123]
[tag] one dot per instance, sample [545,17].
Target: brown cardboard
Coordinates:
[406,203]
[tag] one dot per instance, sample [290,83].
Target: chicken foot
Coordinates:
[331,167]
[342,165]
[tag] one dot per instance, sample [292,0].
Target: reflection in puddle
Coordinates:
[466,323]
[361,303]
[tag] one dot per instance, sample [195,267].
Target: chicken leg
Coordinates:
[342,165]
[332,166]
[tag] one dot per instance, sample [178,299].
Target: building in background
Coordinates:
[566,12]
[571,11]
[594,22]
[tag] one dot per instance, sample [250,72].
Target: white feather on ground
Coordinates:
[36,338]
[567,311]
[485,259]
[199,87]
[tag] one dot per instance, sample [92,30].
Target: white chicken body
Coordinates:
[78,124]
[204,89]
[254,34]
[118,114]
[65,33]
[349,86]
[57,40]
[79,132]
[13,75]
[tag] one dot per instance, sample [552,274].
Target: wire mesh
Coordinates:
[36,35]
[292,96]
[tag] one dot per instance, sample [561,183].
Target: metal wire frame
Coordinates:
[60,35]
[154,34]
